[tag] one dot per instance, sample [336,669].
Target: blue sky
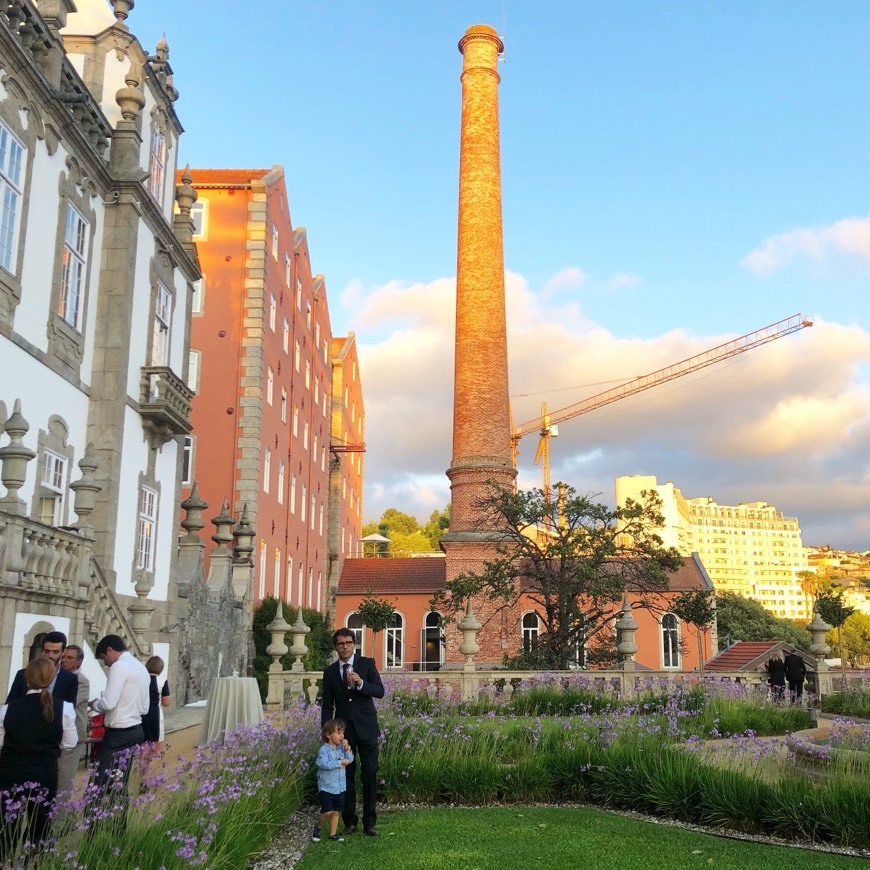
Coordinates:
[674,173]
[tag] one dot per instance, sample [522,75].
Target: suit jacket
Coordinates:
[66,687]
[82,698]
[355,706]
[795,667]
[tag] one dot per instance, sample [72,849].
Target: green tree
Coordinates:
[405,533]
[571,558]
[439,523]
[834,610]
[375,613]
[740,618]
[856,638]
[696,607]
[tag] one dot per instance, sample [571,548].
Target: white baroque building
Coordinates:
[96,278]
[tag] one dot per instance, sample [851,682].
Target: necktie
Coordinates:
[344,668]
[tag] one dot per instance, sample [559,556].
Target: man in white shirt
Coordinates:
[124,702]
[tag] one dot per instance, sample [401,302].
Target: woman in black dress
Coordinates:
[32,730]
[157,698]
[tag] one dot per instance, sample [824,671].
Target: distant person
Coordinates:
[64,685]
[33,729]
[795,673]
[349,687]
[776,676]
[71,661]
[152,721]
[332,759]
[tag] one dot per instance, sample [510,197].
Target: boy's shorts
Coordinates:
[330,802]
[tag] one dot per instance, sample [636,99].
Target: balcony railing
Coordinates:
[165,400]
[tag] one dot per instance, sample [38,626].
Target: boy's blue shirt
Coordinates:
[331,776]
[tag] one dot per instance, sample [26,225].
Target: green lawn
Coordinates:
[510,838]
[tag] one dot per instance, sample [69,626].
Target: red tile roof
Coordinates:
[742,654]
[425,574]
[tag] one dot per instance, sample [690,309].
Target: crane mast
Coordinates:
[547,423]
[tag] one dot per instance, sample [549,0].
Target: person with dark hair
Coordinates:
[33,729]
[157,698]
[64,685]
[123,702]
[71,661]
[776,676]
[795,673]
[349,687]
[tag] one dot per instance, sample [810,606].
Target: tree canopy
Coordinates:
[405,532]
[571,558]
[740,618]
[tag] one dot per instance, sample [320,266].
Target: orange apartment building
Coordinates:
[416,639]
[261,363]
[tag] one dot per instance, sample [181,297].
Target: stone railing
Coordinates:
[468,682]
[165,400]
[105,615]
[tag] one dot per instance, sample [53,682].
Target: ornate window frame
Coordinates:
[53,442]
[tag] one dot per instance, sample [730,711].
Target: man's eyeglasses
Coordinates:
[346,643]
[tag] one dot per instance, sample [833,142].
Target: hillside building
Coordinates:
[751,549]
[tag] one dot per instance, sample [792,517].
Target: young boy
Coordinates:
[334,756]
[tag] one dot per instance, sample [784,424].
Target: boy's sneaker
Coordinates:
[336,838]
[315,836]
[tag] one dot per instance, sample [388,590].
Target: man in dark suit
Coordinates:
[349,685]
[64,686]
[795,673]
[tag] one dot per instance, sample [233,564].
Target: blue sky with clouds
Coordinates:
[675,174]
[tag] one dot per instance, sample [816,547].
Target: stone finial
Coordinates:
[626,627]
[299,648]
[130,98]
[469,628]
[818,628]
[278,628]
[14,458]
[140,610]
[122,10]
[185,194]
[162,50]
[223,523]
[193,506]
[86,489]
[244,534]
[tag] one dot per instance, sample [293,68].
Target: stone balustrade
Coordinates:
[165,401]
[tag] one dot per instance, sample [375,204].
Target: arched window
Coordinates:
[354,623]
[394,642]
[531,630]
[670,641]
[432,645]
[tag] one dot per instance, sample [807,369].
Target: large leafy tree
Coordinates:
[739,618]
[831,606]
[696,607]
[405,532]
[571,557]
[856,638]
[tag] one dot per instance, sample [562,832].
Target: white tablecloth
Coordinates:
[233,701]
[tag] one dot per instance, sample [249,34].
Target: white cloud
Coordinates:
[849,237]
[788,423]
[623,280]
[569,278]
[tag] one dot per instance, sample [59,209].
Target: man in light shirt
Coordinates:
[123,704]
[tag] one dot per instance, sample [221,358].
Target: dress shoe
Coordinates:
[349,829]
[371,831]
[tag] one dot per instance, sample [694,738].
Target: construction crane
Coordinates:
[547,424]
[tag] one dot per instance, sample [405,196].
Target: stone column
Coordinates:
[481,413]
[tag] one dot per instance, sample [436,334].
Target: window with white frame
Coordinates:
[194,358]
[275,241]
[308,315]
[394,642]
[280,481]
[354,623]
[432,645]
[298,293]
[197,302]
[531,631]
[283,405]
[670,641]
[54,486]
[292,493]
[12,154]
[300,579]
[289,579]
[317,335]
[157,169]
[310,587]
[304,504]
[312,513]
[295,421]
[307,375]
[273,311]
[297,355]
[316,391]
[199,216]
[286,335]
[305,435]
[160,327]
[267,468]
[322,458]
[187,471]
[270,384]
[314,448]
[262,579]
[277,579]
[146,537]
[74,272]
[287,269]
